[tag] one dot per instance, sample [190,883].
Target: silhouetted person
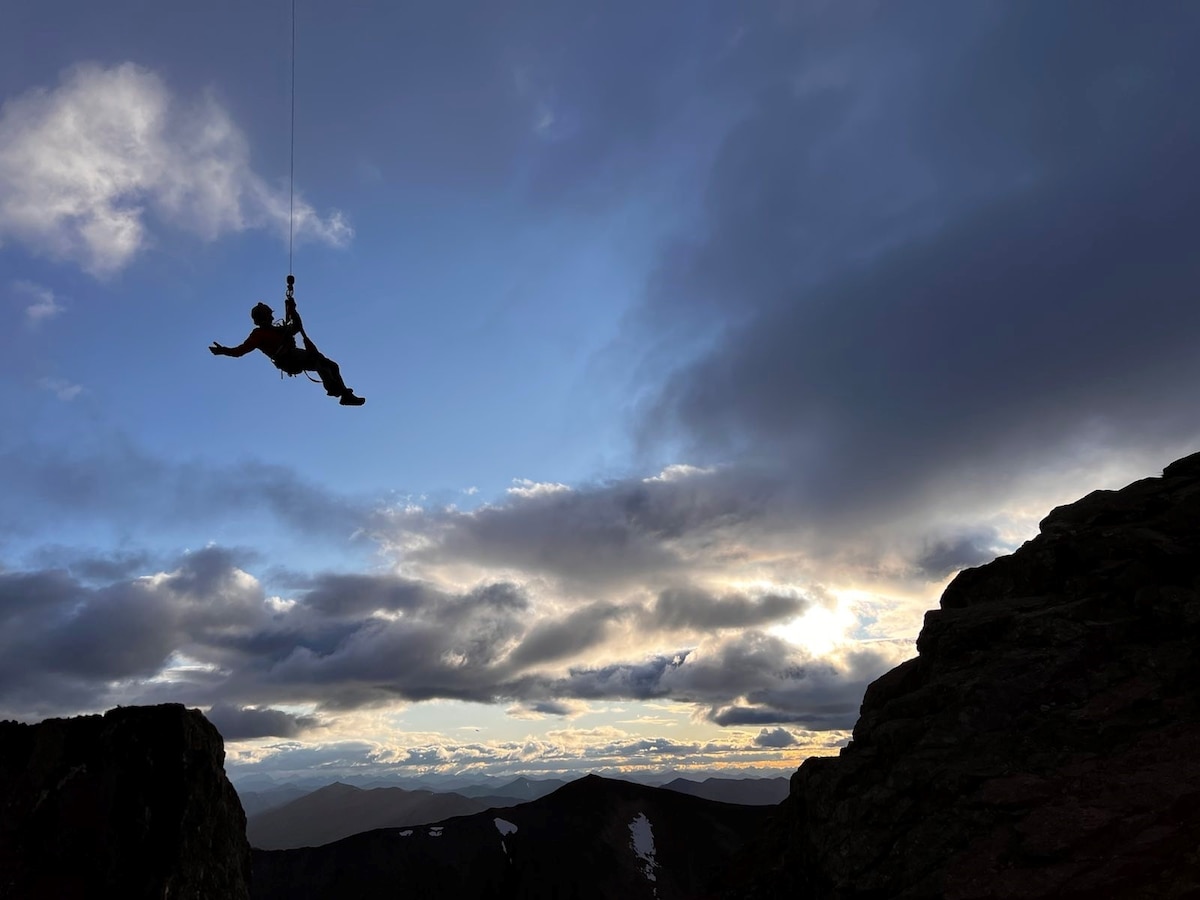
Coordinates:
[279,343]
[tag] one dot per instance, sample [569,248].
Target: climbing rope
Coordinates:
[290,303]
[292,161]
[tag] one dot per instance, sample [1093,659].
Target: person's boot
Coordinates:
[348,399]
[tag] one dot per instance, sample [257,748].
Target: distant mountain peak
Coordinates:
[595,837]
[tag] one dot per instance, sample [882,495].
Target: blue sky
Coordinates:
[702,344]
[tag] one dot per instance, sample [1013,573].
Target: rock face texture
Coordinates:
[131,804]
[1045,743]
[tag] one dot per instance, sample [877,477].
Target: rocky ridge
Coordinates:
[1045,741]
[593,839]
[131,804]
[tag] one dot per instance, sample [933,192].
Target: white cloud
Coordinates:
[677,472]
[84,164]
[523,487]
[61,388]
[44,304]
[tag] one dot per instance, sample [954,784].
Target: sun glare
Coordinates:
[821,628]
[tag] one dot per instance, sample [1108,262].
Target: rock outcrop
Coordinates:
[1045,743]
[131,804]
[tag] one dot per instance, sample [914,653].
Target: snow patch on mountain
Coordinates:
[641,839]
[505,827]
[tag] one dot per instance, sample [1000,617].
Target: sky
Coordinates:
[702,342]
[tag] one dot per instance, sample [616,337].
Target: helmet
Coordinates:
[262,314]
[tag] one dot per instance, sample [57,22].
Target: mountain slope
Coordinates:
[339,810]
[594,838]
[521,789]
[255,802]
[748,791]
[1043,744]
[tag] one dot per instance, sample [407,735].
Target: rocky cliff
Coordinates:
[1045,743]
[131,804]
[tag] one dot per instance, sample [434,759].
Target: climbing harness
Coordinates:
[289,307]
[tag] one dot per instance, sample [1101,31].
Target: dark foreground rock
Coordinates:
[1046,741]
[594,839]
[131,804]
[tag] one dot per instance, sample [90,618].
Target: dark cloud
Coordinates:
[747,678]
[775,737]
[946,556]
[966,248]
[351,596]
[245,723]
[563,638]
[206,634]
[699,610]
[115,485]
[622,532]
[38,593]
[838,718]
[92,567]
[625,681]
[552,708]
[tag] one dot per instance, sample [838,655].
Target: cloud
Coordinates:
[88,167]
[946,556]
[539,709]
[206,632]
[243,723]
[621,532]
[114,483]
[61,388]
[775,737]
[565,638]
[693,609]
[562,752]
[93,567]
[1002,290]
[44,305]
[70,645]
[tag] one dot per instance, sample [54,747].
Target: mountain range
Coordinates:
[335,811]
[593,838]
[339,810]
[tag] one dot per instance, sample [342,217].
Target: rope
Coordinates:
[292,164]
[292,192]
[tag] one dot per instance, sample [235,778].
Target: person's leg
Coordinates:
[312,360]
[331,376]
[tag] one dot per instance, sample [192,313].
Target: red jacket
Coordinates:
[270,339]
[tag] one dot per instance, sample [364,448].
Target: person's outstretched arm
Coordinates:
[240,350]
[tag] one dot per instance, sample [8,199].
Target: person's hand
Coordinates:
[216,349]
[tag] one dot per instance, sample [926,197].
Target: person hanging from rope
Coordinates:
[278,342]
